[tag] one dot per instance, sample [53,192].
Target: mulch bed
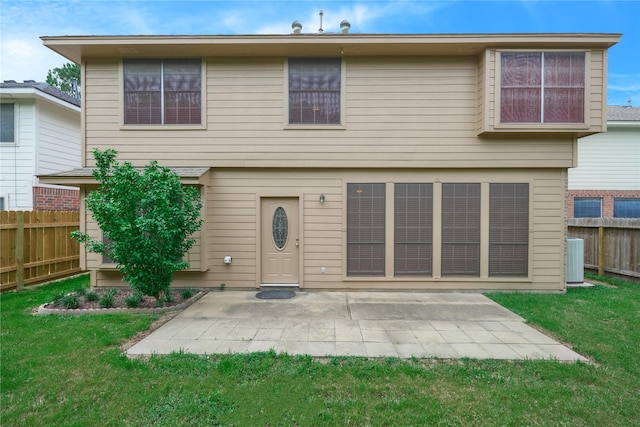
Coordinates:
[119,300]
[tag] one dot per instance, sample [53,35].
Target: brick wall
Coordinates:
[607,197]
[55,199]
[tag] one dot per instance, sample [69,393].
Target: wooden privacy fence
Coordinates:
[610,244]
[35,246]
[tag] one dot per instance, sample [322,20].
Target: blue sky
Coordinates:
[22,22]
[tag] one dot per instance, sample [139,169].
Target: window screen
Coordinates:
[365,229]
[158,91]
[508,230]
[460,229]
[413,229]
[587,207]
[538,87]
[7,123]
[626,208]
[314,90]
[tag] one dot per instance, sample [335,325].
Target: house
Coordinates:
[606,182]
[40,134]
[352,161]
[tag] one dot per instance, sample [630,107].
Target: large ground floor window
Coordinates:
[366,230]
[464,211]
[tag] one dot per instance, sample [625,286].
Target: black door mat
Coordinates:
[275,294]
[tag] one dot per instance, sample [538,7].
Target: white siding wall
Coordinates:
[59,139]
[17,161]
[608,161]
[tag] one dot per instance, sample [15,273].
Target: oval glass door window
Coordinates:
[280,228]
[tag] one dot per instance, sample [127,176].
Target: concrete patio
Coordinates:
[369,324]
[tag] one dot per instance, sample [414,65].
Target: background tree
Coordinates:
[62,77]
[146,218]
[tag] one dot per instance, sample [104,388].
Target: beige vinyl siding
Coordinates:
[235,197]
[596,98]
[482,88]
[548,239]
[233,227]
[400,112]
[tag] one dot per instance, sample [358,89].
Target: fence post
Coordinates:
[601,258]
[20,251]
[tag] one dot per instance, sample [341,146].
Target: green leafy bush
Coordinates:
[146,219]
[187,293]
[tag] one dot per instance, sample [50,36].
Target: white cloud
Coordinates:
[624,82]
[27,59]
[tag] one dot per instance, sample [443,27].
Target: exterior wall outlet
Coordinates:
[323,270]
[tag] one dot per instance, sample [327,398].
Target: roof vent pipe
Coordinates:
[345,26]
[297,27]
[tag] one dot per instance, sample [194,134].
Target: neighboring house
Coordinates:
[348,161]
[40,134]
[606,182]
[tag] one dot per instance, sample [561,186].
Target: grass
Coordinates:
[68,370]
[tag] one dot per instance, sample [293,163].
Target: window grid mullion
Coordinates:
[542,83]
[162,91]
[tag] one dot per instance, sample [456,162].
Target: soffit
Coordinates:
[75,48]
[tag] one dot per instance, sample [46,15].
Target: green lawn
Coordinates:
[68,370]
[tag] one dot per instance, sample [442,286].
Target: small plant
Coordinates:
[57,297]
[68,301]
[81,292]
[108,300]
[168,298]
[187,293]
[133,300]
[222,285]
[91,296]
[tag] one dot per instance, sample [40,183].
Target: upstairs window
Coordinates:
[314,91]
[7,123]
[162,91]
[537,87]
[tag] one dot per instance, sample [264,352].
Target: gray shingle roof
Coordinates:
[624,113]
[42,87]
[88,172]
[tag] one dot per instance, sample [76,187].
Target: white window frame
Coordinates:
[15,125]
